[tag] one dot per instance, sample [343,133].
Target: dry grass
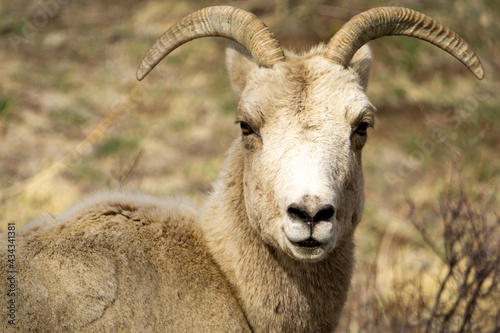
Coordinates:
[449,282]
[73,120]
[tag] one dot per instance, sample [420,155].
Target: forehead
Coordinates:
[303,88]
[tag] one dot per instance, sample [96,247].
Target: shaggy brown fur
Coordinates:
[118,262]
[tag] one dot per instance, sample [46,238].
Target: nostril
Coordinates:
[311,216]
[297,213]
[324,214]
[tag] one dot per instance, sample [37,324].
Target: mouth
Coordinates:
[309,243]
[309,250]
[300,244]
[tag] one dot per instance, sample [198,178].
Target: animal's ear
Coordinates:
[239,64]
[361,63]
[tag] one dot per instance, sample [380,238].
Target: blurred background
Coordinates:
[74,120]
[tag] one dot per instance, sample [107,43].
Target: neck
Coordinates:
[276,292]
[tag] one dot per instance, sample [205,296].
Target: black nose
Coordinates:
[310,214]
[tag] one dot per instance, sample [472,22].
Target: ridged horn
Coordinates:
[386,21]
[223,21]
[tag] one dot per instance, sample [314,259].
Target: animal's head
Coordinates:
[304,118]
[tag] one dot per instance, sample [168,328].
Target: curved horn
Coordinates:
[224,21]
[385,21]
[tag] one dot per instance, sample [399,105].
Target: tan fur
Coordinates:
[277,293]
[118,262]
[299,102]
[130,262]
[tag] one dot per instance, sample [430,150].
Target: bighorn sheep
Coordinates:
[272,249]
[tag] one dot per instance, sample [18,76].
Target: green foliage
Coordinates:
[10,24]
[493,5]
[69,116]
[410,48]
[115,144]
[399,91]
[87,171]
[179,124]
[4,102]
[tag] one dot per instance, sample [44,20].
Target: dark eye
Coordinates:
[362,127]
[245,128]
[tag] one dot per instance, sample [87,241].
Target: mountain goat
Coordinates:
[272,248]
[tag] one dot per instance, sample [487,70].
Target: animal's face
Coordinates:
[304,118]
[303,128]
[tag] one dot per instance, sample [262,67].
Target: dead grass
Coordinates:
[446,282]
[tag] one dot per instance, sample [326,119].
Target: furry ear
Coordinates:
[239,64]
[361,63]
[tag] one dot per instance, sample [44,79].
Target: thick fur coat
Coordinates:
[118,262]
